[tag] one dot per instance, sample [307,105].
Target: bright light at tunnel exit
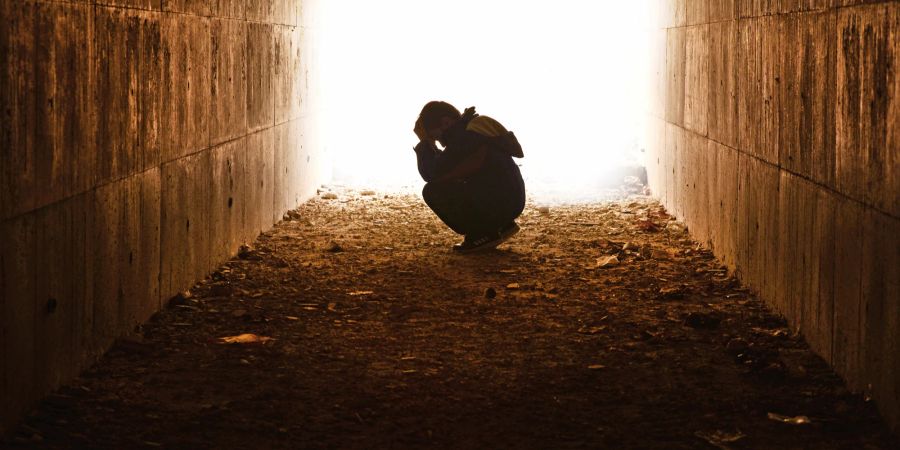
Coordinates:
[569,77]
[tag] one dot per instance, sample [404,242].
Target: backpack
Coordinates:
[494,133]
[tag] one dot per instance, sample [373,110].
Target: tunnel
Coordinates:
[213,233]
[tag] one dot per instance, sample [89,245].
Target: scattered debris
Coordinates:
[646,251]
[329,196]
[720,438]
[417,299]
[180,299]
[247,338]
[647,226]
[513,286]
[221,290]
[608,261]
[701,320]
[632,185]
[795,420]
[543,209]
[736,346]
[676,228]
[334,247]
[591,330]
[367,193]
[247,253]
[672,293]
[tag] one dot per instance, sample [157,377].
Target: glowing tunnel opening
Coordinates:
[570,78]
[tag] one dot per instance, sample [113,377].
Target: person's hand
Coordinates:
[419,129]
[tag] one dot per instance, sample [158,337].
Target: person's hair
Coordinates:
[433,112]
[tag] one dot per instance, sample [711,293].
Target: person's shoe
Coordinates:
[488,241]
[481,243]
[509,230]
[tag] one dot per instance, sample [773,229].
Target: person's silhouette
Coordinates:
[473,184]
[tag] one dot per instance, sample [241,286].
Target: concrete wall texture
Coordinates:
[142,141]
[776,138]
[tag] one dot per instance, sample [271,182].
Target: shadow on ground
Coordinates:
[598,326]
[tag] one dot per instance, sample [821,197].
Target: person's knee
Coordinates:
[436,192]
[429,192]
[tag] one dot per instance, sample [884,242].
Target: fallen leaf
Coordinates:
[246,338]
[608,261]
[513,286]
[596,366]
[671,293]
[796,420]
[591,330]
[359,293]
[720,438]
[647,226]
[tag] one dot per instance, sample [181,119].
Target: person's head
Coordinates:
[437,117]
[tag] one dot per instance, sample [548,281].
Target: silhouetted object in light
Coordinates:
[473,184]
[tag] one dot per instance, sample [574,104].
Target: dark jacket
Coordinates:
[477,150]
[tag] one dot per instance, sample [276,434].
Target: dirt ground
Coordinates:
[375,335]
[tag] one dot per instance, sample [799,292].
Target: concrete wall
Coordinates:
[142,141]
[776,138]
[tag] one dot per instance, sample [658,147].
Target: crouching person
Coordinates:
[473,185]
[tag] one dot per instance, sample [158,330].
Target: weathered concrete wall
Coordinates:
[142,142]
[777,140]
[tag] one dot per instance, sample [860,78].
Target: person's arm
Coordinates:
[463,158]
[426,158]
[435,165]
[426,152]
[456,162]
[460,167]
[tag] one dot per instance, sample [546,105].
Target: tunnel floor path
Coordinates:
[360,329]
